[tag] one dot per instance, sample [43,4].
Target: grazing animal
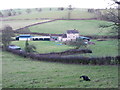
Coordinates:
[86,78]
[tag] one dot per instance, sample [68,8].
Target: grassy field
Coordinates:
[102,48]
[44,46]
[54,13]
[16,24]
[85,27]
[20,72]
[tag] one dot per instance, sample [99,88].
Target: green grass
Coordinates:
[85,27]
[20,72]
[77,13]
[44,46]
[102,48]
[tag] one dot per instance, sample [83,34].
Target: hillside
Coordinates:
[85,27]
[53,13]
[16,24]
[25,73]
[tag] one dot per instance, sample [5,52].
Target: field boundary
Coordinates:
[107,60]
[53,18]
[35,24]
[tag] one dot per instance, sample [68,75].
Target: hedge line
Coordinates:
[108,60]
[90,36]
[35,24]
[103,36]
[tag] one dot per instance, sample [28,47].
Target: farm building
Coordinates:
[34,38]
[70,35]
[41,38]
[24,37]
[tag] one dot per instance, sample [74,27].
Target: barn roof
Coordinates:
[72,31]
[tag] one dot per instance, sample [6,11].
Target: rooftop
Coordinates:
[72,31]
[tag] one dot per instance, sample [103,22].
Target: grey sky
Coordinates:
[8,4]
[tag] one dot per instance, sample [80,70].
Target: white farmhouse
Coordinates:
[69,36]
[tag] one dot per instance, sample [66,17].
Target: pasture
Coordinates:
[85,27]
[19,72]
[102,48]
[53,14]
[16,24]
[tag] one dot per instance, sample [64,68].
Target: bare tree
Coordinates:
[76,43]
[69,11]
[29,48]
[28,10]
[113,16]
[7,34]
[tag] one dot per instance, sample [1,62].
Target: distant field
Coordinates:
[78,13]
[102,48]
[19,72]
[15,24]
[85,27]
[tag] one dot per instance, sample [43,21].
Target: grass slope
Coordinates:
[44,46]
[20,72]
[102,48]
[85,27]
[16,24]
[77,13]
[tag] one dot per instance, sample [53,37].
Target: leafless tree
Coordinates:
[113,16]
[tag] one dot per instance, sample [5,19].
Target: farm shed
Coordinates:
[24,37]
[41,38]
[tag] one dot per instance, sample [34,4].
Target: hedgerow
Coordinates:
[108,60]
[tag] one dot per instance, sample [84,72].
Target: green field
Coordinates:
[102,48]
[44,46]
[85,27]
[45,13]
[16,24]
[19,72]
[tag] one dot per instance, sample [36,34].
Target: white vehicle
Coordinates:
[14,47]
